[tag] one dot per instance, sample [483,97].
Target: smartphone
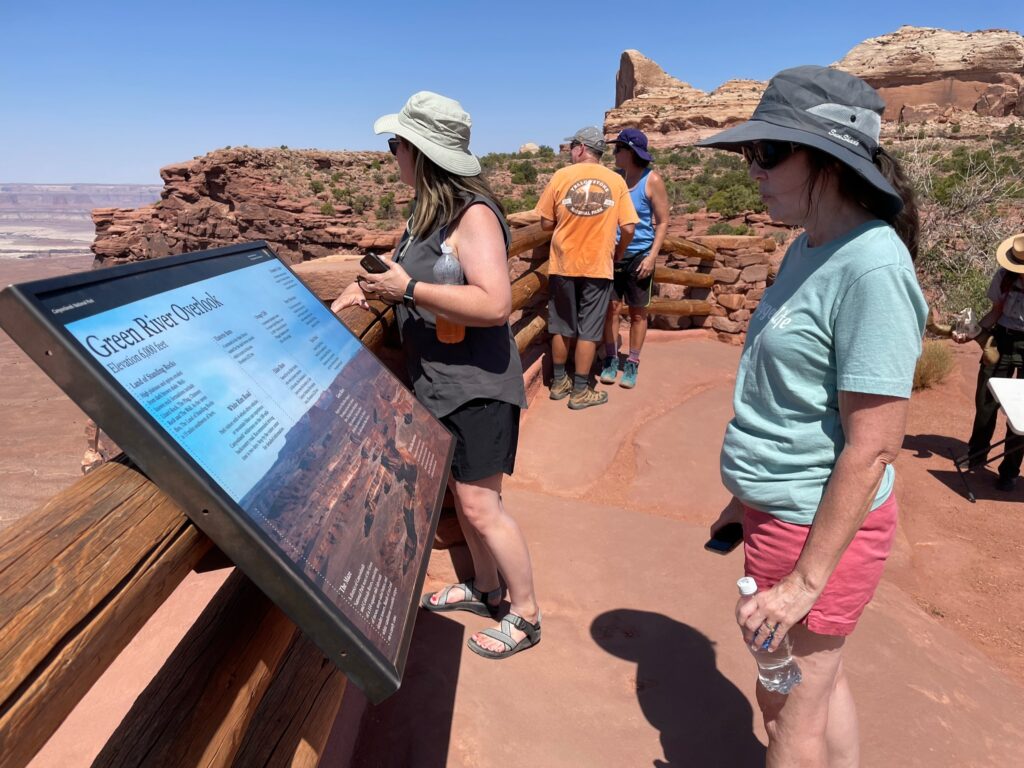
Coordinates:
[726,539]
[373,264]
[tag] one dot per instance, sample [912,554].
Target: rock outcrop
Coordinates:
[672,112]
[928,74]
[307,204]
[924,75]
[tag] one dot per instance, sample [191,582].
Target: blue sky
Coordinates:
[109,92]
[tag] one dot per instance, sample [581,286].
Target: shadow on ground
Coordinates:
[703,718]
[403,731]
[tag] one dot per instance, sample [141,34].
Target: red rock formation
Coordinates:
[670,111]
[281,196]
[925,75]
[935,72]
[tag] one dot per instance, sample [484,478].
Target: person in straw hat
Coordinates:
[821,394]
[1006,320]
[474,386]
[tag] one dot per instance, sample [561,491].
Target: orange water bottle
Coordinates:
[448,271]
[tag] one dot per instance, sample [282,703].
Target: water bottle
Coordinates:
[777,670]
[448,271]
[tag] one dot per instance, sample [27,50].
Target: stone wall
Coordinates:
[743,268]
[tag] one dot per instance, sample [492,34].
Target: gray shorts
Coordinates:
[577,306]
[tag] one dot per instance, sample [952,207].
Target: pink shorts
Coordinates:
[772,547]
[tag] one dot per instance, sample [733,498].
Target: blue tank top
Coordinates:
[643,234]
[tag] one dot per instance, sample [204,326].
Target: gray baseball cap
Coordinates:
[591,136]
[824,108]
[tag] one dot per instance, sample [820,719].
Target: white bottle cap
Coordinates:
[747,586]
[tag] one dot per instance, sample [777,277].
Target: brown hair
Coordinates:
[855,187]
[439,194]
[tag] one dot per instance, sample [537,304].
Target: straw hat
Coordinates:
[1010,253]
[438,127]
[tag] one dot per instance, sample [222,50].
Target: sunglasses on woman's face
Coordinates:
[768,154]
[393,145]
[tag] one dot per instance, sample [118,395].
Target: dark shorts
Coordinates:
[627,286]
[577,306]
[486,436]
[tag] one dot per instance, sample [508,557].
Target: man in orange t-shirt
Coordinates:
[583,204]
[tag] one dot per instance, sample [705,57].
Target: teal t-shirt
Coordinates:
[848,315]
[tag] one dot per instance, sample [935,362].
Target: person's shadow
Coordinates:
[703,718]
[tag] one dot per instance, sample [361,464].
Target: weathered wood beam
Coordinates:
[528,285]
[679,307]
[683,247]
[529,332]
[676,276]
[78,579]
[199,707]
[527,238]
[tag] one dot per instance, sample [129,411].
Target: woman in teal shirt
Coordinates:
[821,393]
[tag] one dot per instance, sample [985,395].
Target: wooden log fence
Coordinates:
[80,577]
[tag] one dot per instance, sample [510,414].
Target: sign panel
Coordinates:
[278,432]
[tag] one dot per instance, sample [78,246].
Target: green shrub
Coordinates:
[386,206]
[360,203]
[284,146]
[337,194]
[378,177]
[327,209]
[523,172]
[374,165]
[515,204]
[545,151]
[734,200]
[725,228]
[316,186]
[336,177]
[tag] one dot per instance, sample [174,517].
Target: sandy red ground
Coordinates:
[640,661]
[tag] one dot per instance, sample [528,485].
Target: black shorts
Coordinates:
[577,306]
[486,437]
[628,287]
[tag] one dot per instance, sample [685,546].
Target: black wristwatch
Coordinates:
[408,298]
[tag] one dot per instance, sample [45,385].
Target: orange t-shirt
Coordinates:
[588,203]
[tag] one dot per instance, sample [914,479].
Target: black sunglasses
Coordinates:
[393,143]
[574,144]
[768,154]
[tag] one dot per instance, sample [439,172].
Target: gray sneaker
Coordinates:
[586,398]
[561,388]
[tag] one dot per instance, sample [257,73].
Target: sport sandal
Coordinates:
[473,600]
[504,636]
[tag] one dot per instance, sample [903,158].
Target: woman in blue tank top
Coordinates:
[633,277]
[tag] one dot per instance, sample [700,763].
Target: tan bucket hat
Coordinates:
[438,127]
[1010,253]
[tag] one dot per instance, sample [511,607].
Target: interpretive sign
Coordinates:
[283,438]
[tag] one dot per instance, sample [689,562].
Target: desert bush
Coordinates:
[360,203]
[386,206]
[337,194]
[969,202]
[725,228]
[515,204]
[327,209]
[934,365]
[316,186]
[545,151]
[523,172]
[336,177]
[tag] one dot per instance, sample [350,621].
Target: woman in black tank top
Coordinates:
[474,386]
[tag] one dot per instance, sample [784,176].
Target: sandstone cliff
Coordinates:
[925,76]
[928,74]
[672,112]
[307,204]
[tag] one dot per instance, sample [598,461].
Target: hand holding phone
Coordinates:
[374,264]
[725,539]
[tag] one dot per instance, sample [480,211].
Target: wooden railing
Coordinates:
[80,576]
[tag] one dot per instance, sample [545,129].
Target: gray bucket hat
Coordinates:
[438,127]
[824,108]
